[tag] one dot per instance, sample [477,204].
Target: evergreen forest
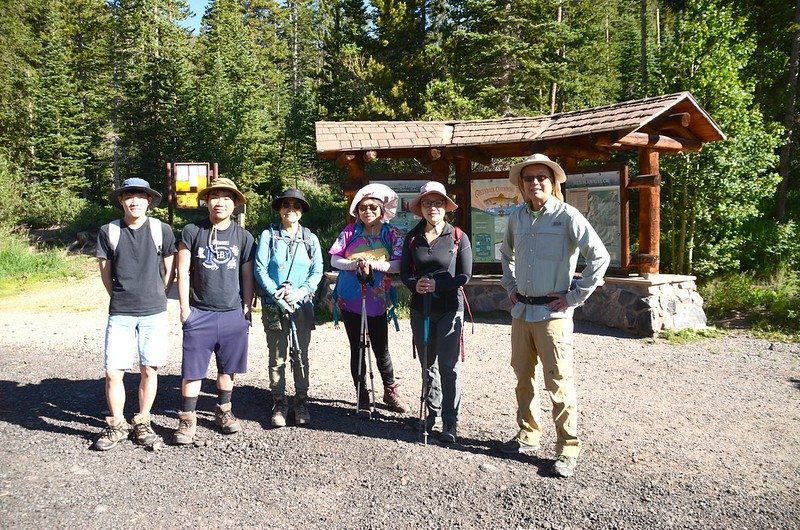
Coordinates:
[95,91]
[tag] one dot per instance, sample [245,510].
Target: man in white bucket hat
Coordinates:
[539,255]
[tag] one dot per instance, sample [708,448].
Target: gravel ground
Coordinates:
[696,436]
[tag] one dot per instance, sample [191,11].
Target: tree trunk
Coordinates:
[643,17]
[788,121]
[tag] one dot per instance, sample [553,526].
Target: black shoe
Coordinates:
[516,446]
[448,435]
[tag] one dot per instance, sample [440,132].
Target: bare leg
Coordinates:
[147,388]
[115,394]
[224,382]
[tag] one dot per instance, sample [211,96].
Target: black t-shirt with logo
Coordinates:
[217,258]
[137,269]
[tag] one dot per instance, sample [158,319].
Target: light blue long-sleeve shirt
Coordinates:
[539,255]
[274,263]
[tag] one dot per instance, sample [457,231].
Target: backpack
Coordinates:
[392,302]
[457,233]
[115,229]
[274,234]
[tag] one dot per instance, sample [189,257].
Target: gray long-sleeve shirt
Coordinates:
[539,255]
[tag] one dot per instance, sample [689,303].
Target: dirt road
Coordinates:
[697,436]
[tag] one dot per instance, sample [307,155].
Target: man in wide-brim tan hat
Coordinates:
[215,292]
[223,184]
[539,255]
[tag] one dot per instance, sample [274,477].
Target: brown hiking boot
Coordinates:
[391,396]
[187,427]
[112,434]
[301,415]
[143,433]
[225,419]
[364,404]
[279,410]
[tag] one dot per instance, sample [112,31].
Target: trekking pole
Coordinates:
[367,346]
[363,346]
[294,346]
[426,324]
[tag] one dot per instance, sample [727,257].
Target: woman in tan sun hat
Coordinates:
[436,263]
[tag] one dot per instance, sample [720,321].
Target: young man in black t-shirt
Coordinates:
[215,289]
[135,255]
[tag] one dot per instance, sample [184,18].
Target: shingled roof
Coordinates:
[600,129]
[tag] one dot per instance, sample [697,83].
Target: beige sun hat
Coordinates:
[430,188]
[380,192]
[222,184]
[537,158]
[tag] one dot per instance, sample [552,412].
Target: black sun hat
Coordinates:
[291,193]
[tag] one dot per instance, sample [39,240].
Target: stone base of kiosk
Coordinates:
[644,305]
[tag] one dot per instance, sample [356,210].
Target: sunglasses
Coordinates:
[432,204]
[292,205]
[370,207]
[539,178]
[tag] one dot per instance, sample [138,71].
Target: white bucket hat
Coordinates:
[430,188]
[381,192]
[538,158]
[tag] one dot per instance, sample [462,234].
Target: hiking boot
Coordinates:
[143,433]
[225,419]
[391,396]
[279,410]
[187,427]
[364,403]
[431,422]
[112,434]
[301,415]
[448,434]
[564,466]
[515,446]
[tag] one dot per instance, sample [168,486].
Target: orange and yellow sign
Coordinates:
[190,178]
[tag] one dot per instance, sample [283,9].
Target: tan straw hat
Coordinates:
[538,158]
[222,184]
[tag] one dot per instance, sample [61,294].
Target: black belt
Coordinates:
[536,300]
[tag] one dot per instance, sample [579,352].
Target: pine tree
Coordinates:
[151,78]
[231,110]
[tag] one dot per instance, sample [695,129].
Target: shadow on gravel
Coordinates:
[78,407]
[55,405]
[254,404]
[796,382]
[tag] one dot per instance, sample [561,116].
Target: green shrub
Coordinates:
[770,303]
[20,265]
[51,204]
[771,245]
[11,203]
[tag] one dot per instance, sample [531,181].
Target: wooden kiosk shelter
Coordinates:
[669,124]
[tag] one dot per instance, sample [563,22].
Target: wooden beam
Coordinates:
[644,259]
[656,142]
[649,213]
[644,181]
[343,160]
[579,152]
[431,155]
[681,119]
[473,154]
[440,169]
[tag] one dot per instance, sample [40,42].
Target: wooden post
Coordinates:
[463,215]
[170,195]
[649,213]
